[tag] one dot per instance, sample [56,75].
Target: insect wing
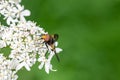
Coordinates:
[56,36]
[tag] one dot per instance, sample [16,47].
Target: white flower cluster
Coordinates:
[24,40]
[12,11]
[6,72]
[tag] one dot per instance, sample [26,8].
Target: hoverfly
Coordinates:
[50,40]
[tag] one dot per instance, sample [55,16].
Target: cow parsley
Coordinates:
[24,40]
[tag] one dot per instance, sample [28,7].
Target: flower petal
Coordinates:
[27,67]
[41,65]
[19,66]
[47,66]
[26,13]
[58,50]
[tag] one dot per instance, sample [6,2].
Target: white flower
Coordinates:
[26,61]
[58,50]
[24,40]
[3,4]
[46,62]
[48,67]
[9,14]
[13,11]
[20,12]
[6,73]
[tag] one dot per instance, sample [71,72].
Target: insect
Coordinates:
[50,40]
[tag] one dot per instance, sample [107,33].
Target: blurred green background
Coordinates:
[89,36]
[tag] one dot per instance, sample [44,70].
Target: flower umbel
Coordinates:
[6,71]
[24,40]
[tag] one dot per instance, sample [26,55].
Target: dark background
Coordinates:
[89,33]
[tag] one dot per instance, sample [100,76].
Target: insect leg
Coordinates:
[47,48]
[57,56]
